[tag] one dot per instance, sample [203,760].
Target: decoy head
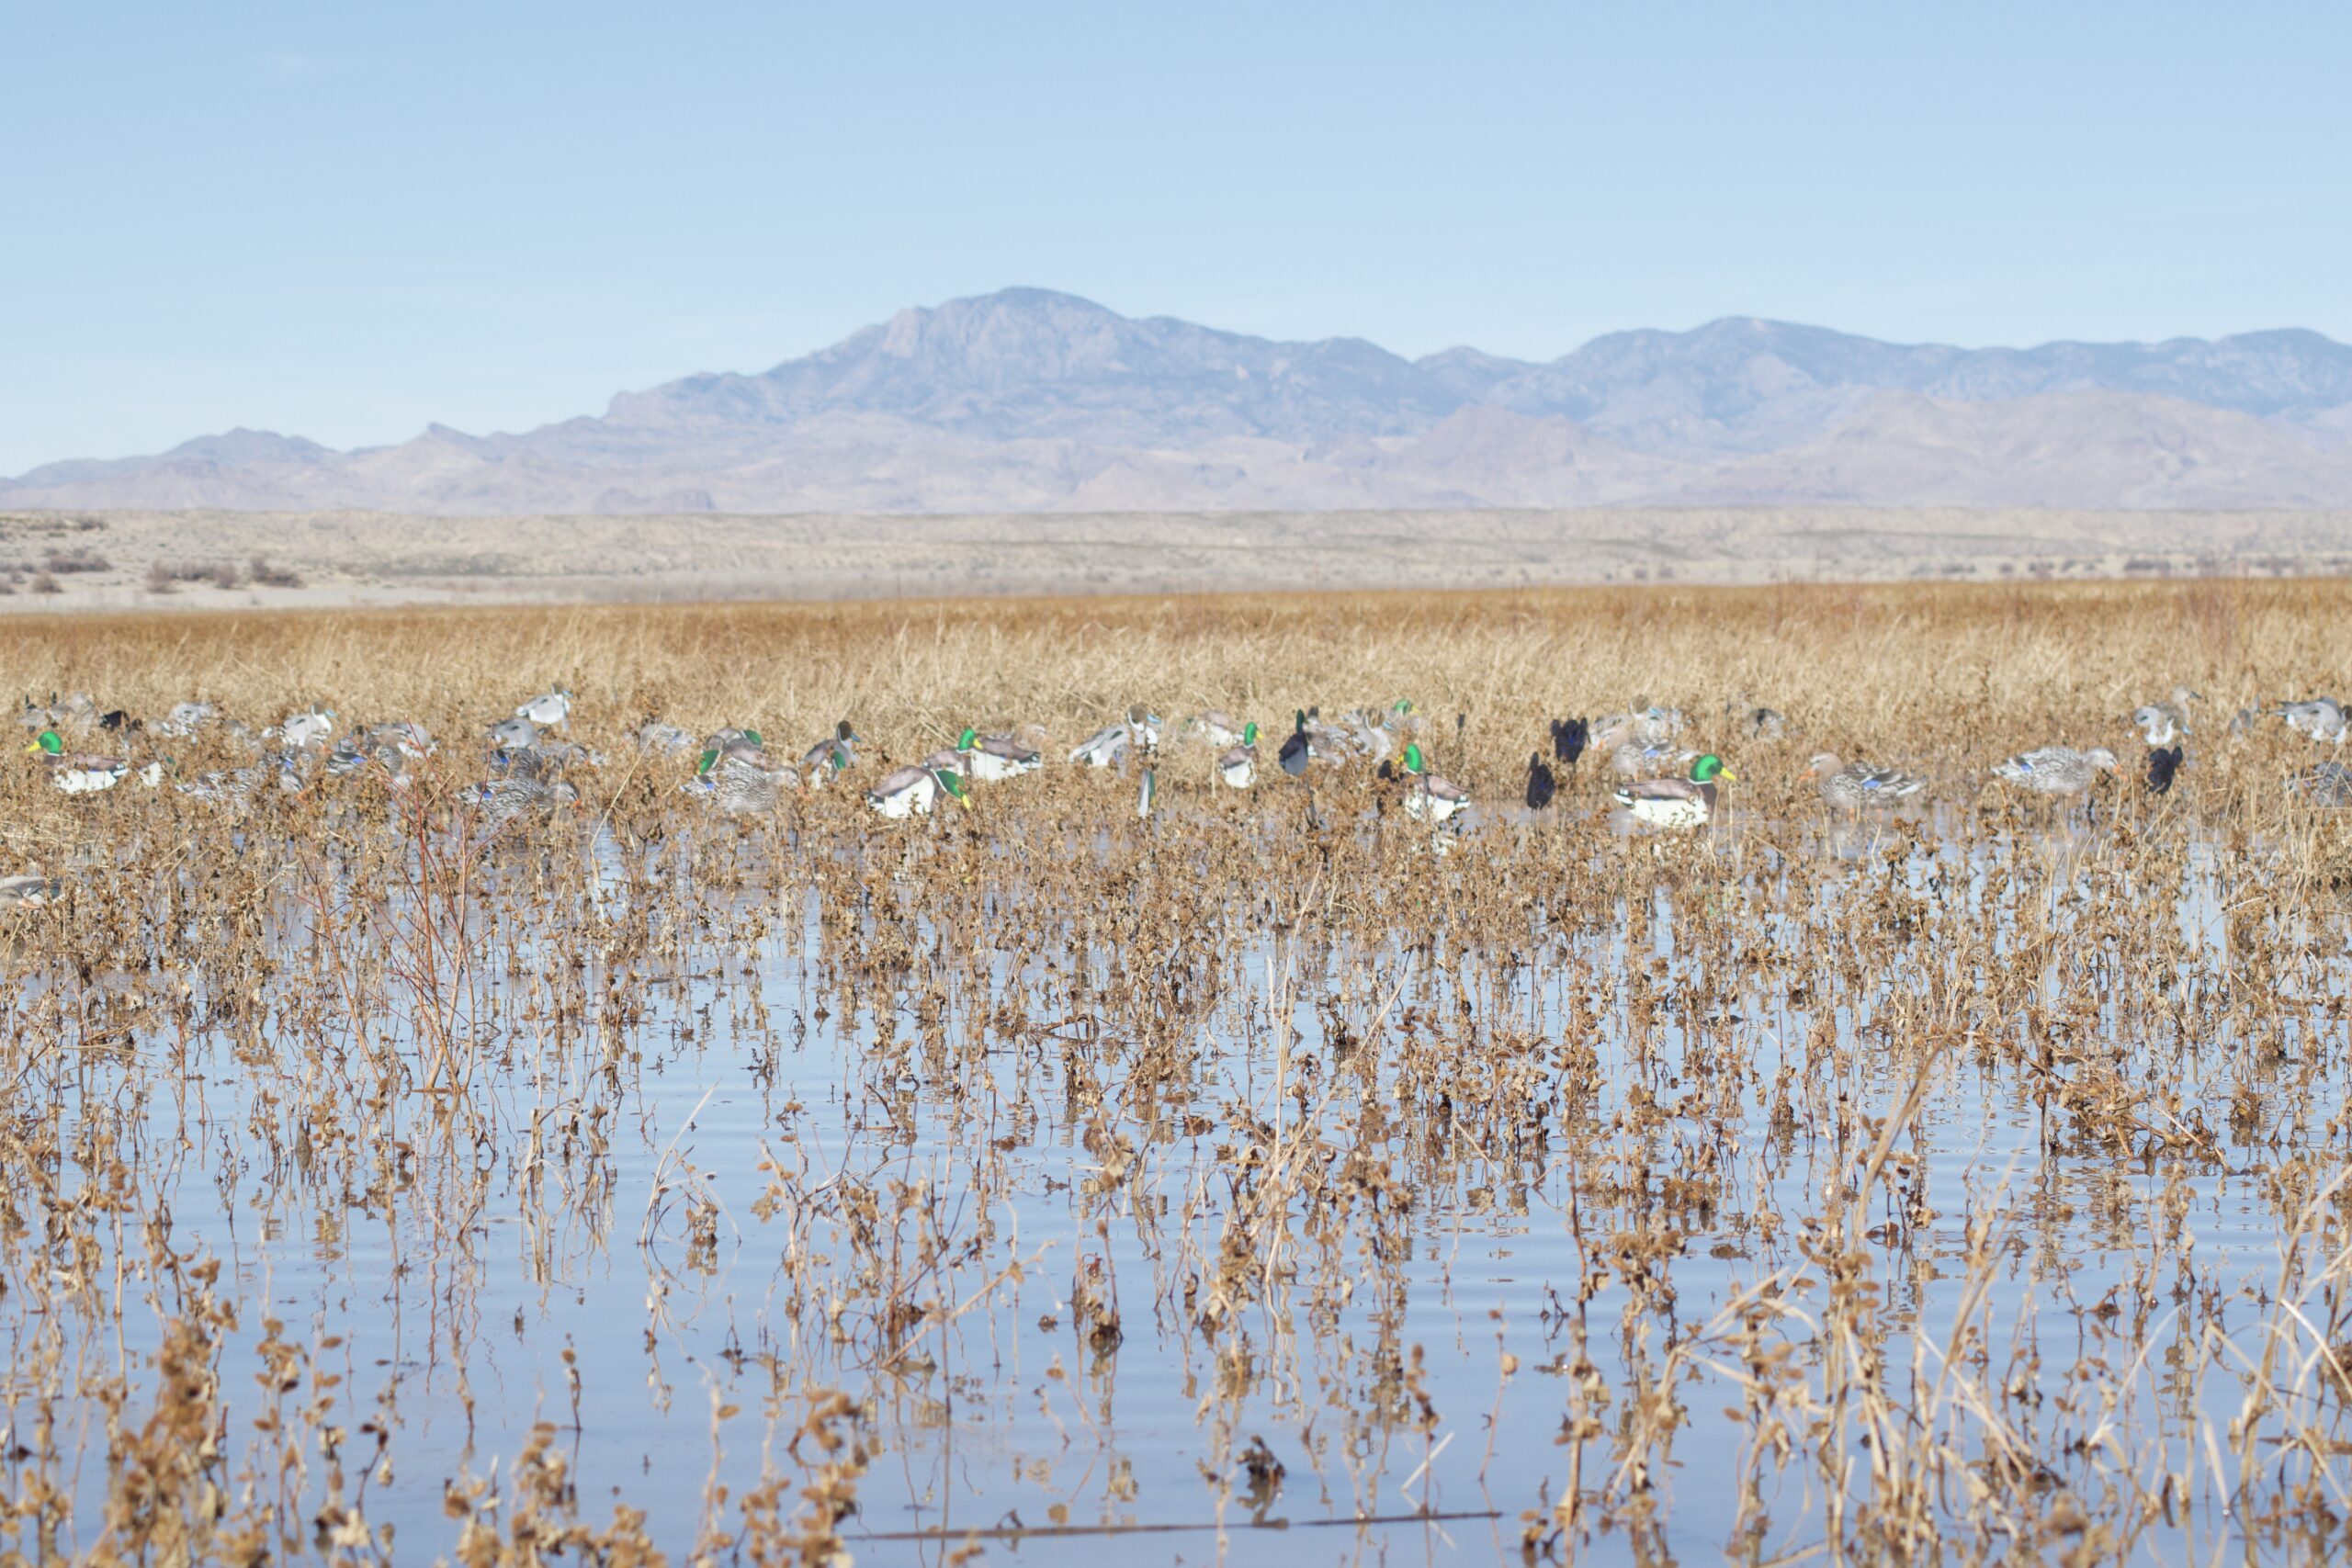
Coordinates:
[1710,768]
[1298,724]
[1413,759]
[47,742]
[1823,763]
[953,783]
[844,733]
[710,760]
[969,738]
[1249,733]
[754,736]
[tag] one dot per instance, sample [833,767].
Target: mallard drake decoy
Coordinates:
[549,710]
[737,778]
[2329,785]
[2056,770]
[830,757]
[1237,766]
[29,891]
[78,773]
[1541,785]
[1569,738]
[2322,718]
[1850,786]
[502,802]
[910,792]
[1676,803]
[2161,765]
[1428,798]
[992,757]
[1216,728]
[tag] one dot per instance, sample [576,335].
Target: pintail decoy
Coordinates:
[1237,766]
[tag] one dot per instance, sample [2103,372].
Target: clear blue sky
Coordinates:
[345,221]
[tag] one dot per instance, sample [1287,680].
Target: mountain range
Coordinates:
[1028,400]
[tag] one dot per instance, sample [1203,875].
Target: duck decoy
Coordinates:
[1569,738]
[1541,785]
[1215,728]
[77,772]
[1428,798]
[992,757]
[2163,764]
[1850,786]
[737,777]
[29,891]
[1297,749]
[835,754]
[2056,770]
[2322,718]
[549,710]
[1237,766]
[2329,785]
[911,790]
[515,734]
[501,802]
[1677,802]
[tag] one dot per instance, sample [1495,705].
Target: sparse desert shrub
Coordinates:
[161,579]
[63,562]
[44,583]
[266,574]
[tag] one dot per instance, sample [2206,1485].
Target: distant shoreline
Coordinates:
[161,562]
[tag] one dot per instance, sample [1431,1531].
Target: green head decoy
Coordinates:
[969,738]
[1249,733]
[47,742]
[953,783]
[1708,768]
[1413,762]
[708,760]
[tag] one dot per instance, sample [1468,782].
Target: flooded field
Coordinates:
[1182,1173]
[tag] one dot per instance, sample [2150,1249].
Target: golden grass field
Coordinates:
[1261,1181]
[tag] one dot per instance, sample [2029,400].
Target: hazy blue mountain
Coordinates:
[1028,399]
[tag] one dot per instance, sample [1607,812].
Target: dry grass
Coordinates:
[1229,1090]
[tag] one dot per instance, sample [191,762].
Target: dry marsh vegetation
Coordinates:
[643,1184]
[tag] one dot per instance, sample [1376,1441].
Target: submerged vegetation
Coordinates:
[458,1155]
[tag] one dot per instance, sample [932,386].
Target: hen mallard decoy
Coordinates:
[830,757]
[549,710]
[2329,785]
[1428,798]
[2056,770]
[656,739]
[1237,765]
[1648,760]
[1850,786]
[992,757]
[910,792]
[503,802]
[1676,803]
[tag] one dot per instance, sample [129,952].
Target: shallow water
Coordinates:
[975,1129]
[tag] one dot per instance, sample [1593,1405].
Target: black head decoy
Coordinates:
[2163,762]
[1569,736]
[1541,785]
